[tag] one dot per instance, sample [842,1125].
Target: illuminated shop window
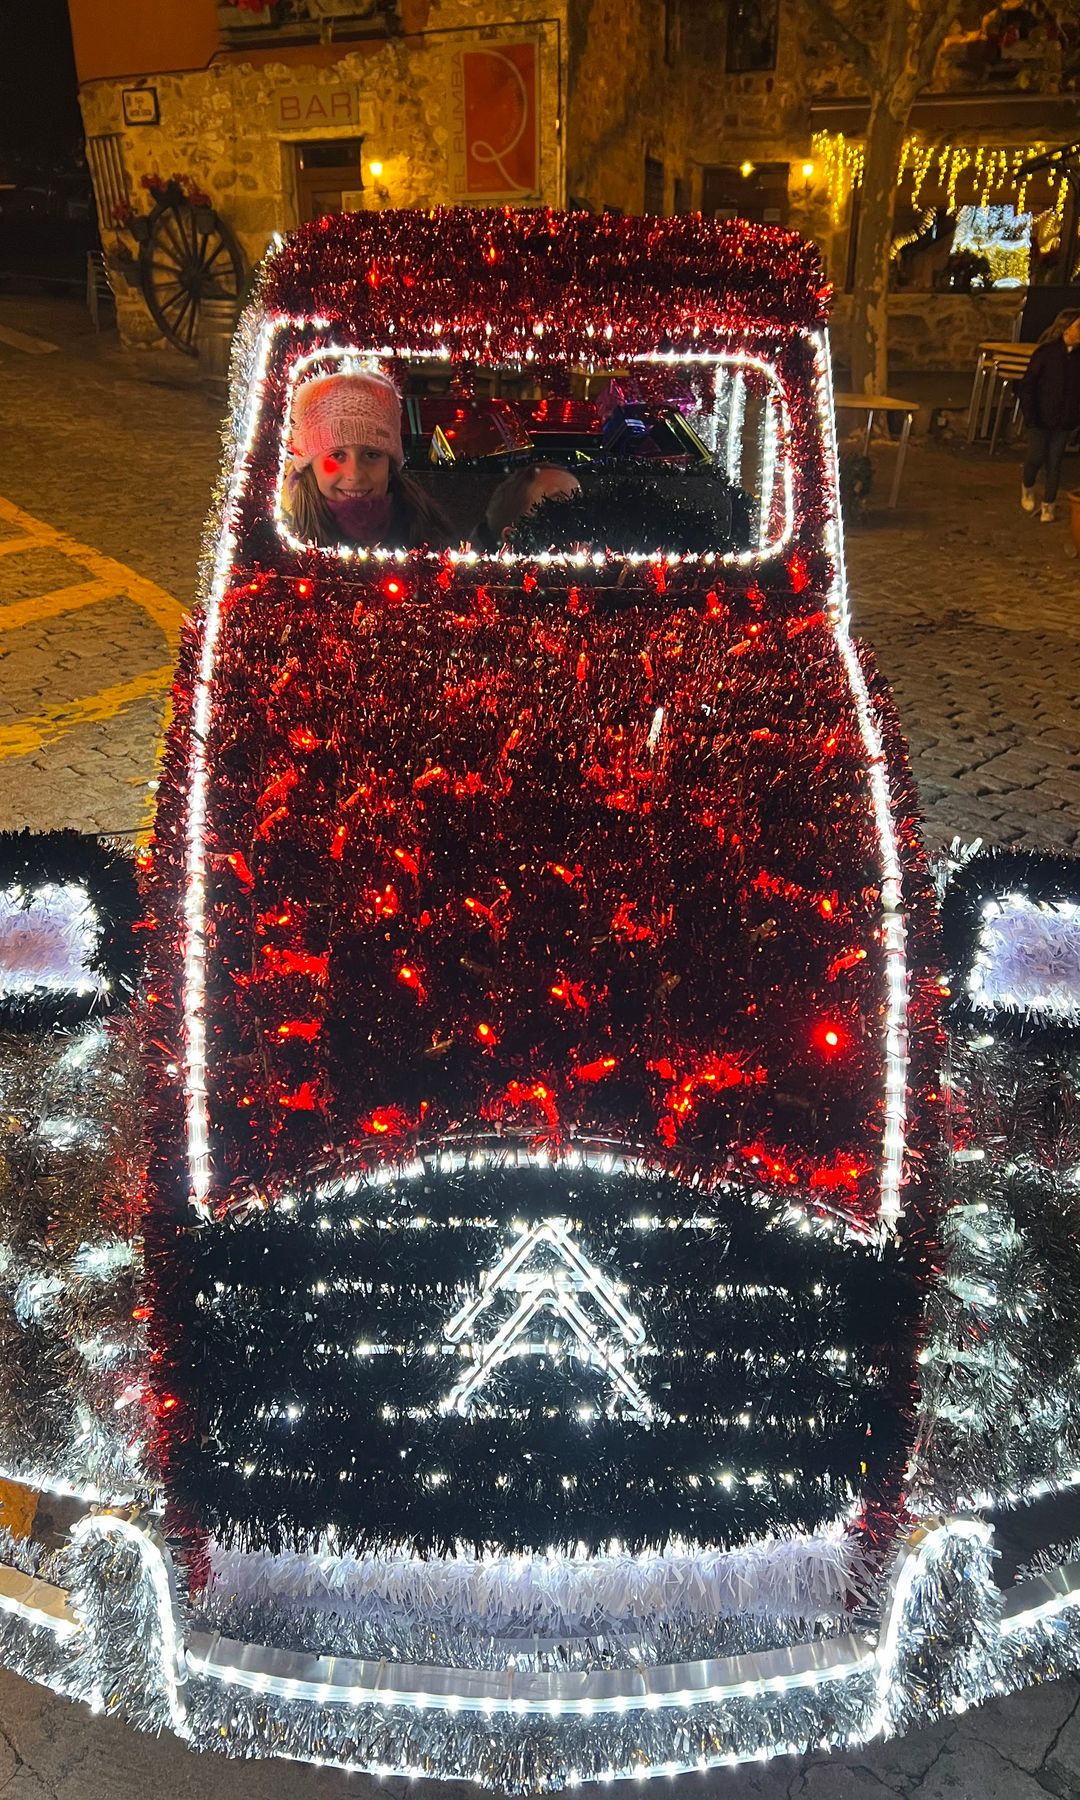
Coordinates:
[1001,237]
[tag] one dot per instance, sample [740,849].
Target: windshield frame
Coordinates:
[779,457]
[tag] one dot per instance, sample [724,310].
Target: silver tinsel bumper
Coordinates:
[116,1636]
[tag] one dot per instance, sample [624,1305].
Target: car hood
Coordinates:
[530,870]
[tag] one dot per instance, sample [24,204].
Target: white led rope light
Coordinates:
[301,1676]
[548,1290]
[198,1123]
[510,1269]
[894,933]
[768,472]
[352,358]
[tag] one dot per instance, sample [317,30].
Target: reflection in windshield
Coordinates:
[653,457]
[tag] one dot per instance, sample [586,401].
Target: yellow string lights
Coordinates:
[983,169]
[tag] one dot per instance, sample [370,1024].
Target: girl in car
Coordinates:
[345,482]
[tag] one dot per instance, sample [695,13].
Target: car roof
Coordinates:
[496,282]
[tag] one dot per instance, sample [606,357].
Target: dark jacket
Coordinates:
[1050,390]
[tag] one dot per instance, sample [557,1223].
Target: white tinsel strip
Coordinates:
[790,1578]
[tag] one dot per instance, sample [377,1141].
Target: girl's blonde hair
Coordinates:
[417,516]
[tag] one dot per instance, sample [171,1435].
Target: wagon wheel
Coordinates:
[189,255]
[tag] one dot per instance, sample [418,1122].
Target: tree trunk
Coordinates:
[877,205]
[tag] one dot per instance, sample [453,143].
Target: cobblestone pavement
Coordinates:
[974,611]
[105,486]
[972,608]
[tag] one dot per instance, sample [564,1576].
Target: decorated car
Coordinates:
[538,1230]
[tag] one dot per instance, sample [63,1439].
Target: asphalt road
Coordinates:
[972,608]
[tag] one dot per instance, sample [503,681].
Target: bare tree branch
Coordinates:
[935,21]
[833,25]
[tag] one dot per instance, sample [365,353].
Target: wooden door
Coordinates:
[324,172]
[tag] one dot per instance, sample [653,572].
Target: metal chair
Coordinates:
[97,285]
[1010,376]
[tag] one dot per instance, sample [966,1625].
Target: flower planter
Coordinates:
[205,218]
[139,228]
[233,19]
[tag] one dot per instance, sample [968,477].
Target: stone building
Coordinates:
[269,114]
[784,130]
[253,118]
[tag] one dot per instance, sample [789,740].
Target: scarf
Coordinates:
[363,518]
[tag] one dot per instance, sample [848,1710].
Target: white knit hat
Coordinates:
[334,410]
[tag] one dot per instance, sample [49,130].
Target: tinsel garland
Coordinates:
[545,1613]
[128,1623]
[73,1377]
[452,1644]
[947,1651]
[621,1599]
[630,509]
[526,1756]
[1049,1558]
[37,1654]
[589,284]
[1002,1373]
[31,1557]
[769,1352]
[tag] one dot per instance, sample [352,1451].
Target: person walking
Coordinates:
[1050,403]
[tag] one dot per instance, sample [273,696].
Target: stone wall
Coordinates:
[216,124]
[635,90]
[928,330]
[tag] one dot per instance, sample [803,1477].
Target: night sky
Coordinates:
[40,125]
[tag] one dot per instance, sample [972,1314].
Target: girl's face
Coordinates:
[354,471]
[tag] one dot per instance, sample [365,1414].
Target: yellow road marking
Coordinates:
[160,606]
[107,579]
[55,603]
[30,734]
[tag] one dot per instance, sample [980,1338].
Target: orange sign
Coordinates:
[495,123]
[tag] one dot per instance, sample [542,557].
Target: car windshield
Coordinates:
[654,455]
